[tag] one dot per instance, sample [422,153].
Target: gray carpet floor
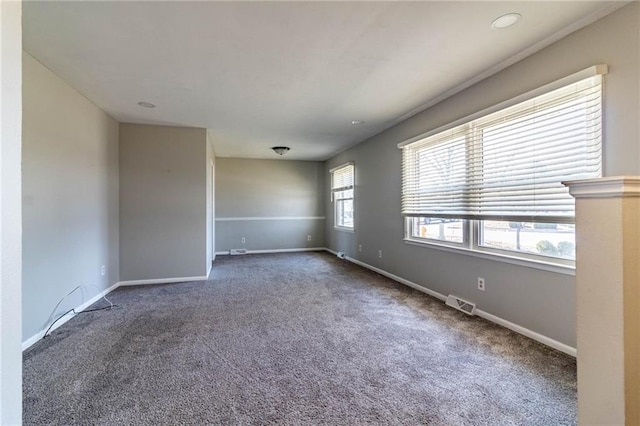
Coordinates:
[301,338]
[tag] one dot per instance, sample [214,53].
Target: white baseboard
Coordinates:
[293,250]
[163,280]
[33,339]
[569,350]
[399,279]
[489,317]
[209,269]
[39,335]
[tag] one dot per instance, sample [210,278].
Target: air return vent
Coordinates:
[461,305]
[238,251]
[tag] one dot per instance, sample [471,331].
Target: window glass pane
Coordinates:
[450,230]
[344,213]
[339,195]
[545,239]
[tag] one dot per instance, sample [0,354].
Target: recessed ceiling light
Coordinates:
[144,104]
[356,122]
[505,21]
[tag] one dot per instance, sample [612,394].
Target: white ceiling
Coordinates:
[259,74]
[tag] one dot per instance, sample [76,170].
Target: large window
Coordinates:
[342,183]
[494,183]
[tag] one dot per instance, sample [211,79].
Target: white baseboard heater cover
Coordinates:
[237,251]
[461,305]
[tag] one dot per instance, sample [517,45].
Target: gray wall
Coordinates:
[539,300]
[70,196]
[163,209]
[250,194]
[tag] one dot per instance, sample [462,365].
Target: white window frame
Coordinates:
[471,226]
[337,188]
[470,247]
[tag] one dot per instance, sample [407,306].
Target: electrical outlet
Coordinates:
[243,240]
[103,270]
[380,254]
[308,237]
[359,247]
[480,284]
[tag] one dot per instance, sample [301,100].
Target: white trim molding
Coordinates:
[606,187]
[547,341]
[489,317]
[239,219]
[401,280]
[163,280]
[497,257]
[293,250]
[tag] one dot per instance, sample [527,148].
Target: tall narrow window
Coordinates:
[498,177]
[342,187]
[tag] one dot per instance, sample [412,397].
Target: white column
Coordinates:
[608,299]
[10,213]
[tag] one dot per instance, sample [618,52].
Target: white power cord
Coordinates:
[111,305]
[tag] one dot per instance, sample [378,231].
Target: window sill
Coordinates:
[343,229]
[545,266]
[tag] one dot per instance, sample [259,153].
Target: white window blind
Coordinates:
[509,165]
[342,177]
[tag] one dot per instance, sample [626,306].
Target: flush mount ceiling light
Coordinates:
[144,104]
[280,150]
[505,21]
[356,122]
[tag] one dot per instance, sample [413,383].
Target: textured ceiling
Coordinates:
[259,74]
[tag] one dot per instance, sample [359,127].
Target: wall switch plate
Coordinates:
[481,284]
[243,240]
